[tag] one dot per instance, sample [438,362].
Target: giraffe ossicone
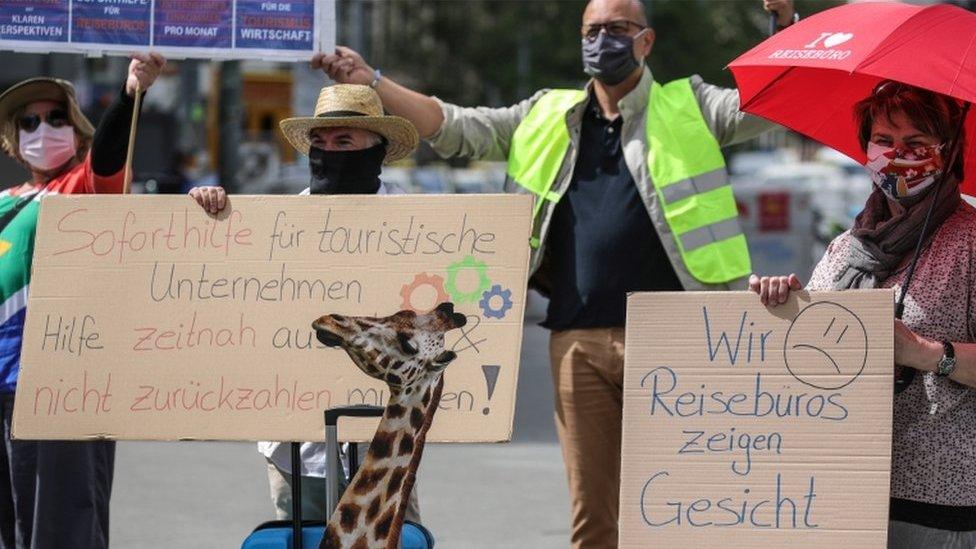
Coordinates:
[406,351]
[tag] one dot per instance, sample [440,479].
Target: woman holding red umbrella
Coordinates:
[890,85]
[907,135]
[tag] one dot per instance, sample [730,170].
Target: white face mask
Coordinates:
[47,147]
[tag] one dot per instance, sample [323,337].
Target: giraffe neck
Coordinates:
[370,513]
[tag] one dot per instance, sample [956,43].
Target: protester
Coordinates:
[346,141]
[53,494]
[611,216]
[906,133]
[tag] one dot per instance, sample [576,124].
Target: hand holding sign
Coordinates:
[774,290]
[345,66]
[143,71]
[211,198]
[782,9]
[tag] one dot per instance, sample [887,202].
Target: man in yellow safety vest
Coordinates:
[631,195]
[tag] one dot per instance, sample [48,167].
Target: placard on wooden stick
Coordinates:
[751,427]
[149,319]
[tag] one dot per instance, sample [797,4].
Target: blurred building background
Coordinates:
[217,122]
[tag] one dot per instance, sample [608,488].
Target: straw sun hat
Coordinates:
[39,89]
[353,106]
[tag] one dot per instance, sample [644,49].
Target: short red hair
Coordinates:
[932,113]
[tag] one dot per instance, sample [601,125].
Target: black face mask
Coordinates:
[346,172]
[610,59]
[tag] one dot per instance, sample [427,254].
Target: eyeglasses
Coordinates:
[619,27]
[56,118]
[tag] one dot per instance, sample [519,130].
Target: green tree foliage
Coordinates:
[496,52]
[703,36]
[469,50]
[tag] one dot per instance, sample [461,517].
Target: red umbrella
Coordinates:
[809,76]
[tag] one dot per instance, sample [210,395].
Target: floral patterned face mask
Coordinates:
[902,172]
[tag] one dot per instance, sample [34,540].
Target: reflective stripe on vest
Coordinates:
[688,172]
[685,163]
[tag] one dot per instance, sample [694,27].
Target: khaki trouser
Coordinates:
[588,376]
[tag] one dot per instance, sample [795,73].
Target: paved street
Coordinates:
[211,494]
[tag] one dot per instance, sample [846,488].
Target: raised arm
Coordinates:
[111,141]
[720,108]
[348,67]
[480,133]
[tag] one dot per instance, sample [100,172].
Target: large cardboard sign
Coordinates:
[753,427]
[149,319]
[222,29]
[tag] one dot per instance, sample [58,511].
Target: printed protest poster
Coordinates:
[150,319]
[750,427]
[224,29]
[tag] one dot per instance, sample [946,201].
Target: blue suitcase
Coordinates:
[278,534]
[283,534]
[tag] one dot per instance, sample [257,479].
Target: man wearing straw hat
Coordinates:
[347,142]
[53,494]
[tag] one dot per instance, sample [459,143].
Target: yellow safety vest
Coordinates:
[686,168]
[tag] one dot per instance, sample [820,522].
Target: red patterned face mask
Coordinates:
[902,172]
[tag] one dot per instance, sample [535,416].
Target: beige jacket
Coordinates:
[486,134]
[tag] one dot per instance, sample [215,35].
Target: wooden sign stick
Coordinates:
[132,140]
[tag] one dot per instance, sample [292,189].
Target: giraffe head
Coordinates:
[399,349]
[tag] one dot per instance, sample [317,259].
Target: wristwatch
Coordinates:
[948,363]
[376,78]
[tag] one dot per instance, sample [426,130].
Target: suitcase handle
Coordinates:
[296,496]
[332,416]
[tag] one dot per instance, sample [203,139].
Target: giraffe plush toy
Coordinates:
[406,351]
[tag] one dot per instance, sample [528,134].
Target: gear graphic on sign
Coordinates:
[423,279]
[496,291]
[472,264]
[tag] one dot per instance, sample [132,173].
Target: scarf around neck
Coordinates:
[886,230]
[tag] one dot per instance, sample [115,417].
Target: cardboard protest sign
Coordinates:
[224,29]
[149,319]
[753,427]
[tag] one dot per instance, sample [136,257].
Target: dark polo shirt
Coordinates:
[601,242]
